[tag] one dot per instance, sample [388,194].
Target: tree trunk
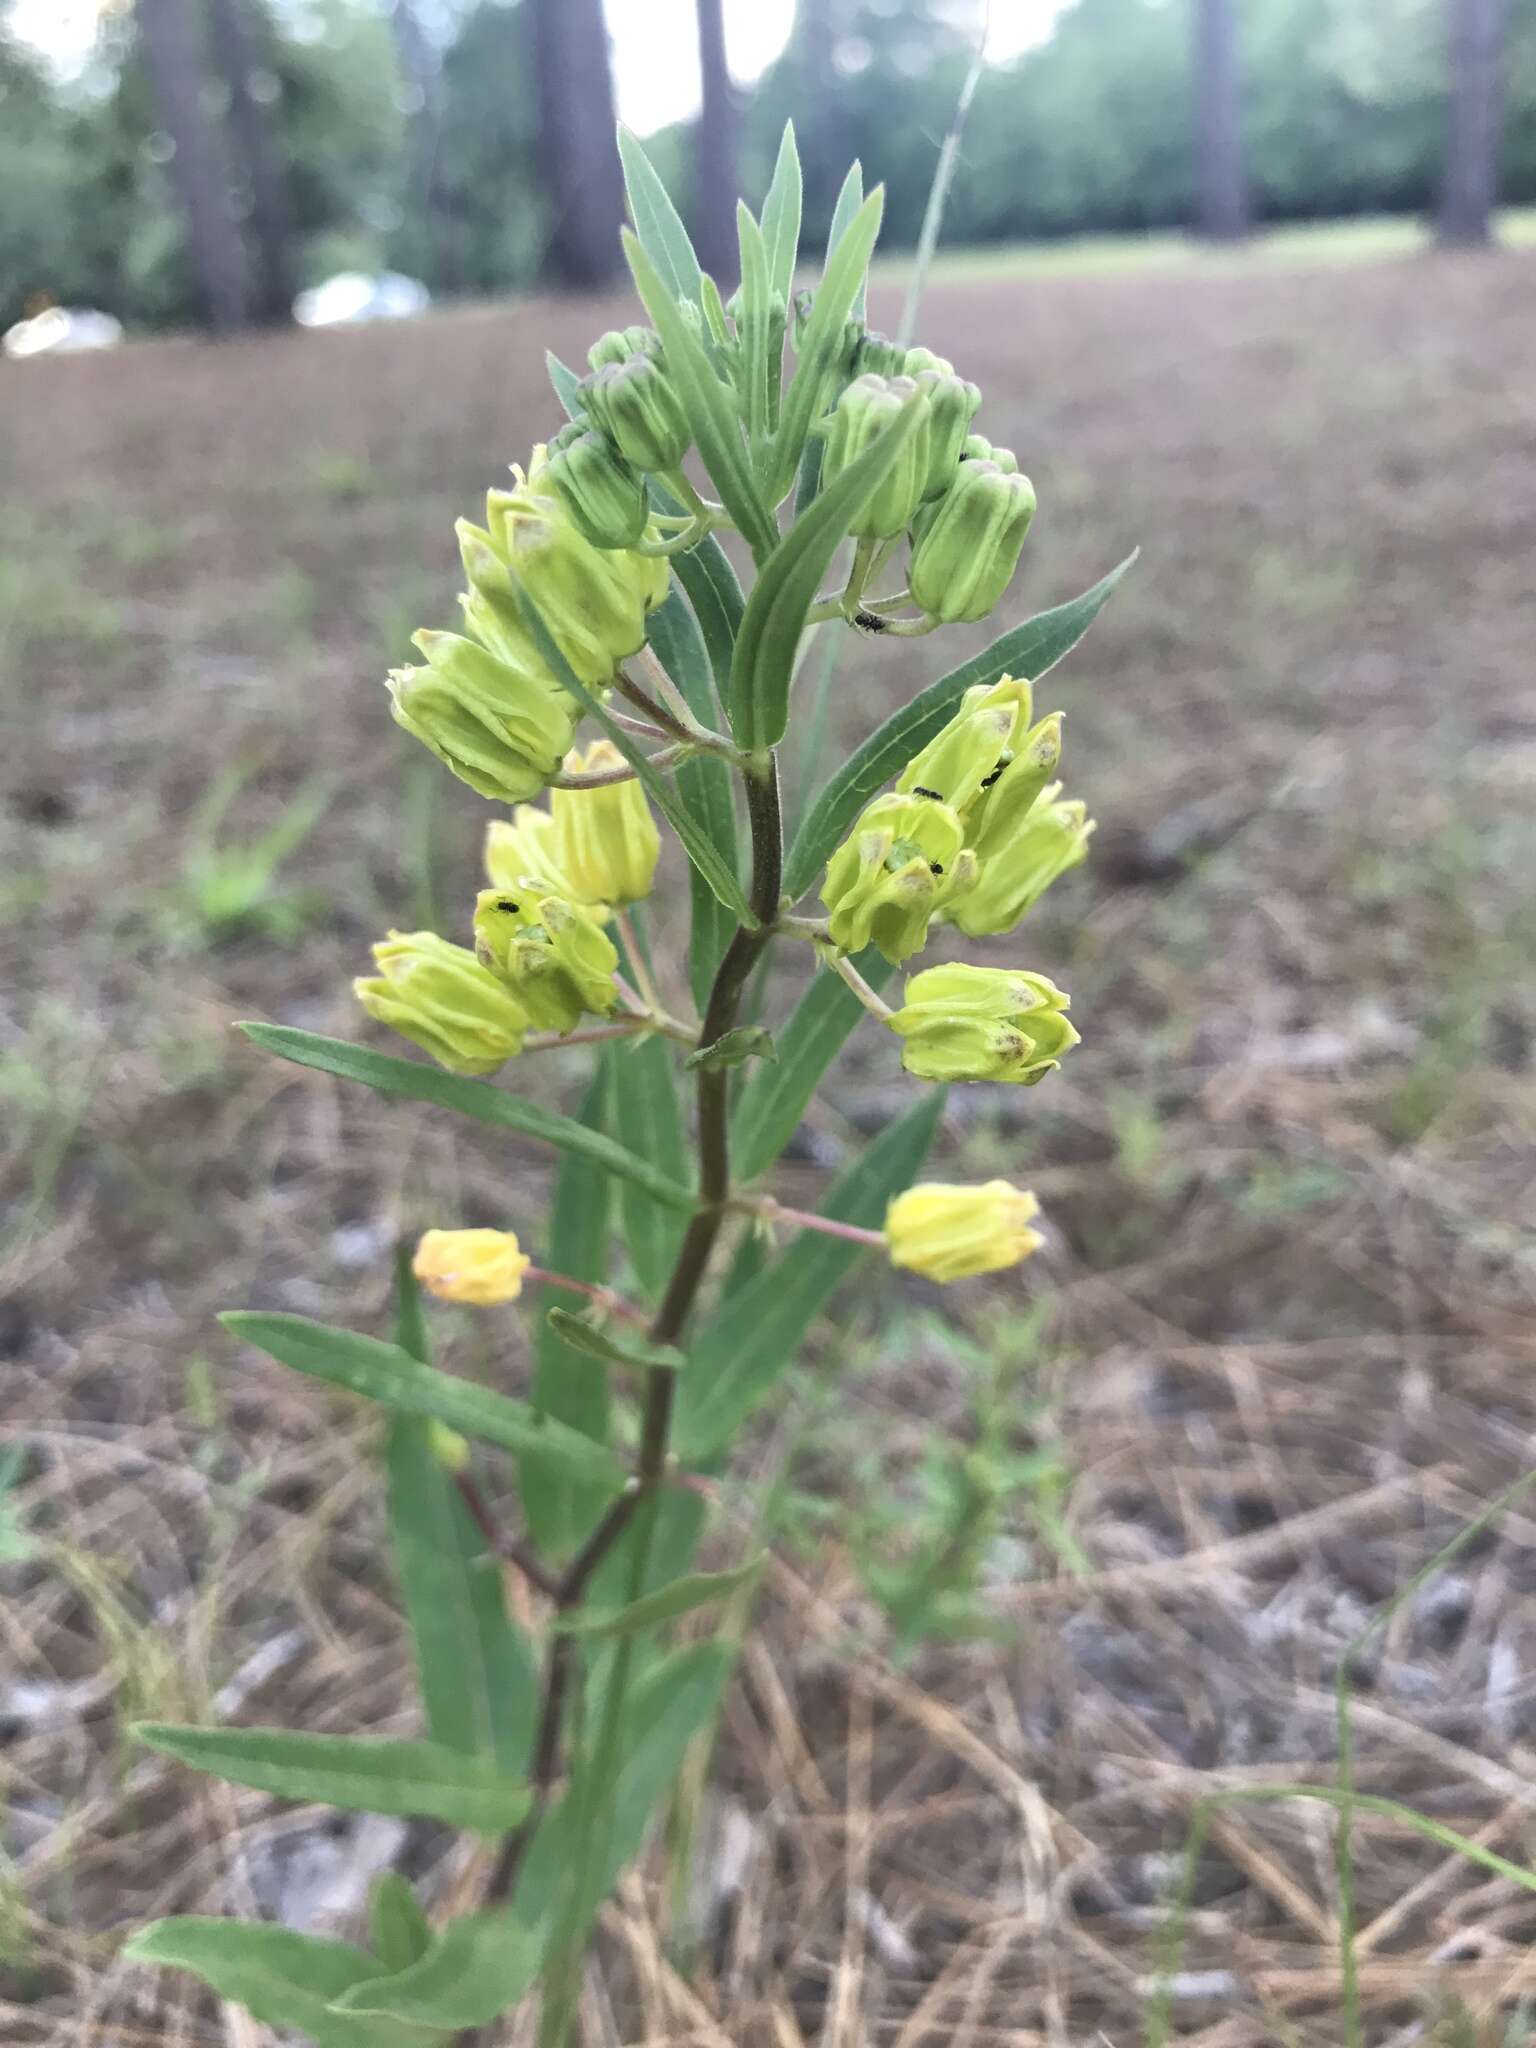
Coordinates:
[199,166]
[270,220]
[577,144]
[714,168]
[1222,183]
[1470,185]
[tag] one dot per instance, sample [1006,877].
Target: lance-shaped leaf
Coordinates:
[658,225]
[704,783]
[697,842]
[474,1668]
[754,328]
[781,214]
[359,1773]
[567,385]
[698,1589]
[385,1373]
[648,1117]
[836,295]
[631,1352]
[775,1099]
[714,593]
[388,1075]
[785,591]
[850,198]
[281,1978]
[1027,650]
[742,1351]
[400,1931]
[708,403]
[475,1970]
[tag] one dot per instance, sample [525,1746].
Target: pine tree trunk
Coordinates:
[199,166]
[1222,183]
[577,145]
[270,220]
[1470,185]
[714,168]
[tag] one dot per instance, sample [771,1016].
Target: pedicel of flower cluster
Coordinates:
[620,700]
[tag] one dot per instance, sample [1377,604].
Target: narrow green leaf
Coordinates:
[400,1931]
[580,1335]
[774,1099]
[648,1118]
[849,199]
[785,591]
[668,1709]
[383,1372]
[740,1353]
[836,296]
[474,1668]
[281,1978]
[704,784]
[753,327]
[698,1589]
[709,404]
[475,1970]
[697,844]
[360,1773]
[658,224]
[781,214]
[568,1388]
[1026,650]
[388,1075]
[567,385]
[714,592]
[735,1048]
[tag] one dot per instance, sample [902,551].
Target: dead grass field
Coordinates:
[1291,1291]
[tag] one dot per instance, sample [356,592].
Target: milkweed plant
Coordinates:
[608,672]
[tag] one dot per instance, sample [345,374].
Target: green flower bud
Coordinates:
[440,997]
[603,494]
[635,406]
[557,960]
[966,546]
[979,449]
[520,854]
[605,839]
[904,860]
[593,600]
[1002,808]
[501,728]
[952,405]
[620,343]
[918,362]
[877,355]
[1052,837]
[963,1023]
[971,753]
[865,409]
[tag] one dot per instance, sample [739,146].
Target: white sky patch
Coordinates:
[655,45]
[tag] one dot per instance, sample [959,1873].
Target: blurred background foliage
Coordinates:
[424,135]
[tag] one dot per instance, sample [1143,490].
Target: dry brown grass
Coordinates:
[1289,1177]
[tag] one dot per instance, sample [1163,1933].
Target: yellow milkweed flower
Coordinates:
[604,840]
[520,851]
[951,1233]
[440,997]
[482,1267]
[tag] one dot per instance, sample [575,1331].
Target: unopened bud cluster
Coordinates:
[542,959]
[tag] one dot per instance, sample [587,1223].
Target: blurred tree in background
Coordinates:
[469,141]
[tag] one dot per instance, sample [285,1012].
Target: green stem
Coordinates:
[640,1497]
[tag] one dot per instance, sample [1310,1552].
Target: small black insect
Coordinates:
[935,867]
[870,621]
[506,903]
[988,780]
[931,794]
